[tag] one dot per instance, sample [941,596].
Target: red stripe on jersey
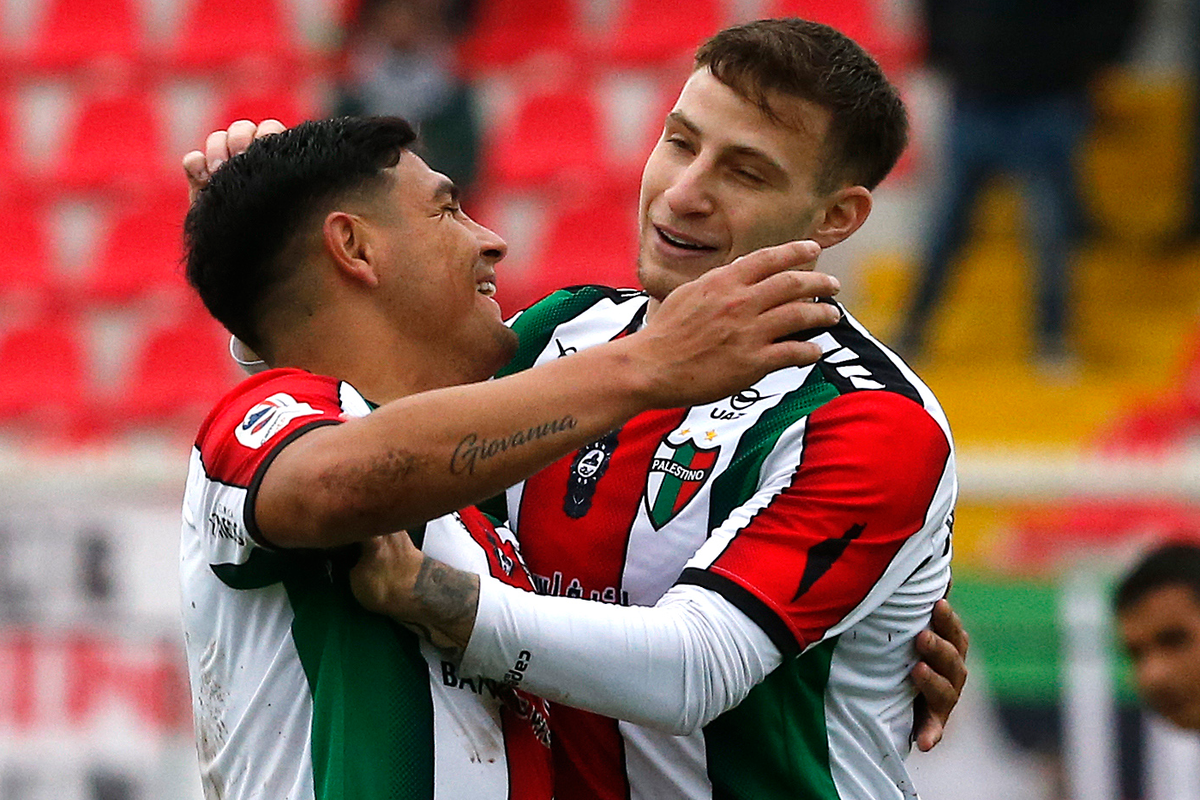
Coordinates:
[870,468]
[586,557]
[588,553]
[701,460]
[503,561]
[227,458]
[589,756]
[525,720]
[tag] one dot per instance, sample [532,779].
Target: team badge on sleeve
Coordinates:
[270,417]
[677,472]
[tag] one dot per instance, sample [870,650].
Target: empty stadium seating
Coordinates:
[140,252]
[177,372]
[555,134]
[216,34]
[74,33]
[27,267]
[505,33]
[650,32]
[116,144]
[591,239]
[45,367]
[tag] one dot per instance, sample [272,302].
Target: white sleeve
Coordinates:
[674,666]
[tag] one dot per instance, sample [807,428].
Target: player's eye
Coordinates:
[750,176]
[680,143]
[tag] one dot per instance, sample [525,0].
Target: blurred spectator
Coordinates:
[1019,73]
[1158,616]
[1189,232]
[400,60]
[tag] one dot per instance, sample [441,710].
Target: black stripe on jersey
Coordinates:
[877,362]
[256,481]
[822,555]
[746,602]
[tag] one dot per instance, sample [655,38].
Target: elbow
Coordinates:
[676,718]
[310,508]
[299,519]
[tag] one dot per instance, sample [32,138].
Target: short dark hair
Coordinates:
[869,126]
[1172,564]
[239,230]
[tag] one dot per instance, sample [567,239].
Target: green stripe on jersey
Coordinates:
[539,322]
[738,482]
[784,718]
[372,729]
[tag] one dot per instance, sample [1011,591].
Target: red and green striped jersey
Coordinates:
[299,693]
[819,502]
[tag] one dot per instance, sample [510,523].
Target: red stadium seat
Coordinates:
[506,32]
[27,275]
[594,241]
[217,34]
[14,173]
[101,154]
[76,32]
[140,254]
[650,32]
[178,373]
[555,135]
[284,103]
[44,391]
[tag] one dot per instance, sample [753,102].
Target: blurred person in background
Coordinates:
[1020,75]
[1157,607]
[400,60]
[1188,234]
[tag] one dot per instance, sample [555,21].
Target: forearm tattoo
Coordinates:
[447,599]
[473,449]
[378,477]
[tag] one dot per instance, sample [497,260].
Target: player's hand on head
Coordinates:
[219,147]
[717,334]
[940,675]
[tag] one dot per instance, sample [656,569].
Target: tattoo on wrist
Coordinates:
[473,449]
[447,598]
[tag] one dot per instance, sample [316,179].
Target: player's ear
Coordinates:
[347,240]
[844,212]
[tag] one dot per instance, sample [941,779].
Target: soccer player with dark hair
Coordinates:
[349,266]
[1158,617]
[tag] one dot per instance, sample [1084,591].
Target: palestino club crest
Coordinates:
[677,472]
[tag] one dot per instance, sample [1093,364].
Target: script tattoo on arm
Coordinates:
[474,449]
[446,599]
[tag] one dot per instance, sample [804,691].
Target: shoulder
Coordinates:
[536,325]
[260,413]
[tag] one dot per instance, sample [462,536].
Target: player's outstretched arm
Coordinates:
[427,454]
[674,666]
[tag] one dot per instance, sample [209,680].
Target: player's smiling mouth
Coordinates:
[675,240]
